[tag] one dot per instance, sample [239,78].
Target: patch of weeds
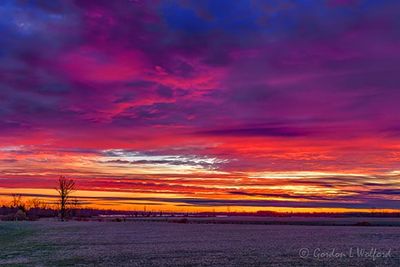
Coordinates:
[10,232]
[17,248]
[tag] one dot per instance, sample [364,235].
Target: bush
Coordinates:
[8,217]
[20,216]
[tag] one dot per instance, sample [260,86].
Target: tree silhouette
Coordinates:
[17,202]
[64,189]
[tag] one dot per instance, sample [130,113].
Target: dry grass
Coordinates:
[168,244]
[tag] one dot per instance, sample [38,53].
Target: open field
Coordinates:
[295,220]
[49,243]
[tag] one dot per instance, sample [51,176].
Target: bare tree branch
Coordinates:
[64,189]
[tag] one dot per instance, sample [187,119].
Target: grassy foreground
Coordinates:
[169,244]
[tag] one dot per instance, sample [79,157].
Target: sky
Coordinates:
[289,105]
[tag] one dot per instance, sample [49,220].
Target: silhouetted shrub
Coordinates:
[20,215]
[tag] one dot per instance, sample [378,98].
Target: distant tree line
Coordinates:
[66,206]
[17,209]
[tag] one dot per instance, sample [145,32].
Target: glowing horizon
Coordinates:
[202,105]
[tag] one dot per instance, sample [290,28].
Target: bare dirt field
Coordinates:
[143,243]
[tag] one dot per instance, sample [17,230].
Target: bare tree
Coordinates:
[17,202]
[35,203]
[64,189]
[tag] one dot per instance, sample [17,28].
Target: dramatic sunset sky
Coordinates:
[203,105]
